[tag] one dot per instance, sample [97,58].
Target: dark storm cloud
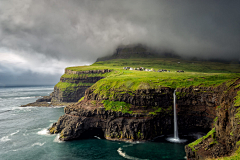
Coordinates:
[48,35]
[84,30]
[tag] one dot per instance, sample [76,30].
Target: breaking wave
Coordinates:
[44,131]
[57,140]
[25,97]
[124,155]
[14,133]
[97,137]
[6,138]
[38,144]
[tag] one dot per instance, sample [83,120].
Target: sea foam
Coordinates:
[14,133]
[44,131]
[97,137]
[124,155]
[38,144]
[4,139]
[24,97]
[57,140]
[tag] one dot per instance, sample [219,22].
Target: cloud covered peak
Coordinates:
[77,32]
[85,30]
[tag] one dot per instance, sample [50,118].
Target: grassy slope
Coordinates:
[196,73]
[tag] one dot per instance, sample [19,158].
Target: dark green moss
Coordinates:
[117,106]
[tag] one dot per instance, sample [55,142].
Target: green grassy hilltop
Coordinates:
[196,73]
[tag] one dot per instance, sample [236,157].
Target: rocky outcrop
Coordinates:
[89,115]
[71,88]
[223,141]
[196,111]
[45,99]
[71,94]
[198,108]
[76,83]
[79,121]
[144,97]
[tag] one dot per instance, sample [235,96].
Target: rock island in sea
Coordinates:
[108,100]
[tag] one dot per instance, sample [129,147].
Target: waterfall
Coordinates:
[175,117]
[175,139]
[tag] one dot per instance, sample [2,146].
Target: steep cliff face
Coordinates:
[90,115]
[196,107]
[73,84]
[151,115]
[109,124]
[224,137]
[144,97]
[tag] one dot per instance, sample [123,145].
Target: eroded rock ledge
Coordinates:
[223,139]
[72,87]
[196,111]
[108,124]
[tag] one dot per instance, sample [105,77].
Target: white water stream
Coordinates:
[175,139]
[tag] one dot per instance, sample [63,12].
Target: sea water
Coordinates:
[24,134]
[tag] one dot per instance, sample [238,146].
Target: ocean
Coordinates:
[24,135]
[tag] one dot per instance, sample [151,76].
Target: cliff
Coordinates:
[128,122]
[73,84]
[71,87]
[147,113]
[223,139]
[131,105]
[145,119]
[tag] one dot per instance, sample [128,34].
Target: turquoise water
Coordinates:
[23,134]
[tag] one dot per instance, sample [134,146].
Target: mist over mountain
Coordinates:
[46,36]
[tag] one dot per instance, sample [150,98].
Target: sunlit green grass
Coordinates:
[197,73]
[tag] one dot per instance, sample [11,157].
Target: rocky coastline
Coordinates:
[199,108]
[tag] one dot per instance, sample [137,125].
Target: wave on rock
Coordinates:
[57,140]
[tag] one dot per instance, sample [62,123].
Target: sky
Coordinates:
[38,39]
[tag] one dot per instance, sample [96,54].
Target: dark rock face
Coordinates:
[113,125]
[224,141]
[196,107]
[73,96]
[149,97]
[77,92]
[45,99]
[84,117]
[81,80]
[196,111]
[61,97]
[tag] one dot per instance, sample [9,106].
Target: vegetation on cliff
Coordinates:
[126,91]
[209,134]
[119,81]
[117,106]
